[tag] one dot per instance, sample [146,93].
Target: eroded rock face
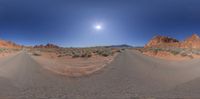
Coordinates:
[162,41]
[159,41]
[47,46]
[191,42]
[8,44]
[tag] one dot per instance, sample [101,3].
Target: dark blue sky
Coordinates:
[71,22]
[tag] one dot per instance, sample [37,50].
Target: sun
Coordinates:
[98,27]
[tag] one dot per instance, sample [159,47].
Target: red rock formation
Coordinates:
[160,41]
[191,42]
[47,46]
[9,44]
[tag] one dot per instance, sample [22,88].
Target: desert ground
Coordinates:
[173,54]
[130,75]
[8,52]
[74,62]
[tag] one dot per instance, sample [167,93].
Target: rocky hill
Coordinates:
[9,44]
[47,46]
[191,42]
[163,41]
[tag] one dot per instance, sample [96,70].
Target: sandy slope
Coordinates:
[130,75]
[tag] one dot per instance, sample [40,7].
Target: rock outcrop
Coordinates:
[162,41]
[47,46]
[9,44]
[191,42]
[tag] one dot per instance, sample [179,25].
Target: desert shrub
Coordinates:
[155,50]
[105,52]
[60,55]
[190,56]
[3,49]
[76,54]
[14,49]
[37,53]
[65,53]
[119,50]
[141,50]
[81,52]
[175,52]
[197,52]
[184,54]
[86,54]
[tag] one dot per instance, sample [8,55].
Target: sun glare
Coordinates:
[98,27]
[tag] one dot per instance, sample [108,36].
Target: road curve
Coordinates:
[129,75]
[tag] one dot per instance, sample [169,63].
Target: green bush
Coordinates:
[175,52]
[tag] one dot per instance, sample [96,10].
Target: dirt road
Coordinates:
[129,75]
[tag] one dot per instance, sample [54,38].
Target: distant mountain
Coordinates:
[120,46]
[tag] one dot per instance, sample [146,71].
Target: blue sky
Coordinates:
[71,22]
